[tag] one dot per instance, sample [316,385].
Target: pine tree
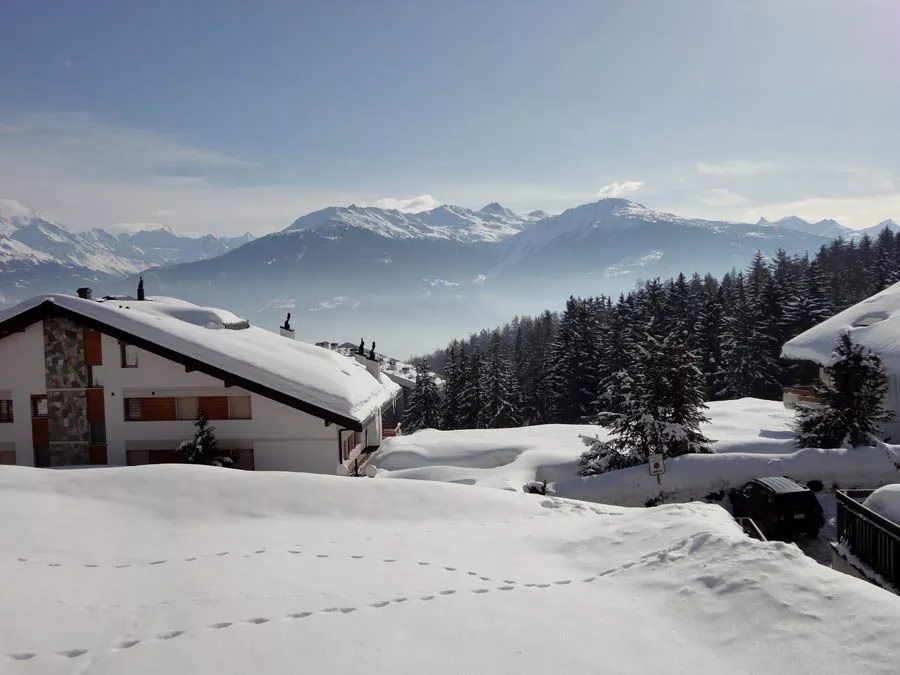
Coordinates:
[749,367]
[472,413]
[423,410]
[501,400]
[662,410]
[454,387]
[204,448]
[852,396]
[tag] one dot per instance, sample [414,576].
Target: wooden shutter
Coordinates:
[215,407]
[93,349]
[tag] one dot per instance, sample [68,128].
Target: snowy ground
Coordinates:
[753,439]
[180,569]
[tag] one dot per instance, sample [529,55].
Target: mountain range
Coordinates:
[37,255]
[415,278]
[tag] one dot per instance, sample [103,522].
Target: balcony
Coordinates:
[868,544]
[801,393]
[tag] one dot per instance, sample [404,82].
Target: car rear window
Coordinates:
[797,500]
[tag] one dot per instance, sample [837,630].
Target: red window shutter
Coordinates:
[215,407]
[96,411]
[158,409]
[93,349]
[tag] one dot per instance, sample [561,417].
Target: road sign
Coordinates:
[657,465]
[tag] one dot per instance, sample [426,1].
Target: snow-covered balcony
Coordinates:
[799,393]
[868,535]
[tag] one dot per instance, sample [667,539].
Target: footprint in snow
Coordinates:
[191,559]
[128,644]
[258,620]
[156,562]
[22,656]
[222,553]
[448,592]
[379,605]
[450,569]
[220,625]
[299,615]
[170,635]
[73,653]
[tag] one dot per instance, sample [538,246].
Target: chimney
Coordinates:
[84,293]
[140,295]
[369,361]
[286,330]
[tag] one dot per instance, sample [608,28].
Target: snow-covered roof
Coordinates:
[316,380]
[873,323]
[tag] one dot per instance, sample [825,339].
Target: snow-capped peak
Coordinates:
[444,222]
[497,209]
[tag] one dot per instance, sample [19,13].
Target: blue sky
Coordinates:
[231,115]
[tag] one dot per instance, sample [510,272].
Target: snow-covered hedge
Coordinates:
[693,477]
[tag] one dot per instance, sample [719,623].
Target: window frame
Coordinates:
[36,400]
[7,415]
[124,349]
[130,416]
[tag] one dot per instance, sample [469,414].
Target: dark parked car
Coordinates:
[781,507]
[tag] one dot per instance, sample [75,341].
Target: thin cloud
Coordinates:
[411,205]
[736,167]
[721,197]
[617,189]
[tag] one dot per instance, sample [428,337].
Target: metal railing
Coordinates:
[750,528]
[871,538]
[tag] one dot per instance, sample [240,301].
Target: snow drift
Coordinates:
[180,569]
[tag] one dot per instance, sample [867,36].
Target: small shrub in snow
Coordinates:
[204,448]
[852,394]
[815,485]
[715,496]
[538,487]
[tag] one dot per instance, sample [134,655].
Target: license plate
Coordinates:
[799,516]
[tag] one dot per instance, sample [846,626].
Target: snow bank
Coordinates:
[509,458]
[696,476]
[181,569]
[885,501]
[499,458]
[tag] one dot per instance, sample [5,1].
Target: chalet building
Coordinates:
[119,381]
[873,323]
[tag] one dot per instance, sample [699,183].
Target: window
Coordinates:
[6,411]
[239,408]
[187,407]
[98,433]
[95,375]
[129,355]
[132,409]
[39,405]
[7,456]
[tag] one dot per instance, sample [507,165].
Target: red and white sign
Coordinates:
[657,465]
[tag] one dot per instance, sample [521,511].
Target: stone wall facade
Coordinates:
[66,378]
[69,454]
[64,354]
[67,417]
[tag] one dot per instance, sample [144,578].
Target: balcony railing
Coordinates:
[870,538]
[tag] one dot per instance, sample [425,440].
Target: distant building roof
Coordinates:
[873,323]
[318,381]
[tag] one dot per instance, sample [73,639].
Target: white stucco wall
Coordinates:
[21,375]
[282,438]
